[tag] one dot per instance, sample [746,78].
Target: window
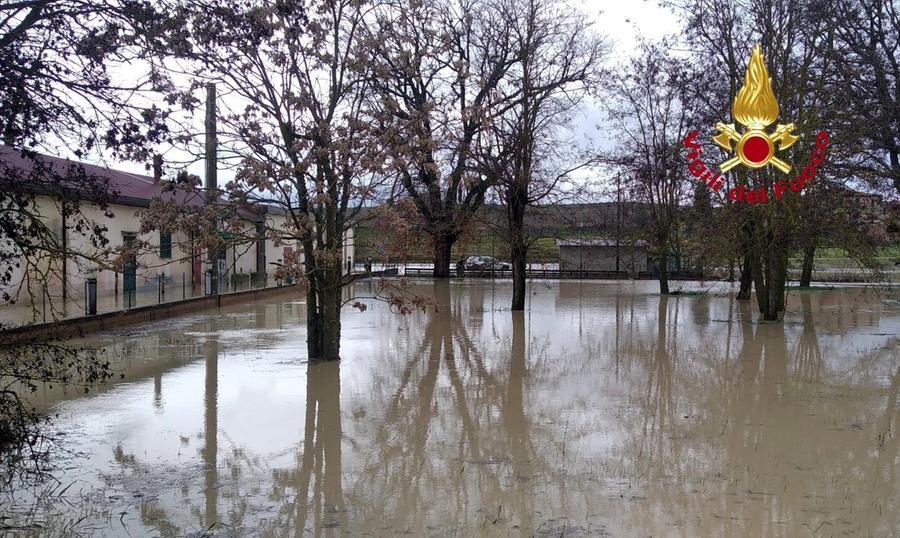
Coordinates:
[165,245]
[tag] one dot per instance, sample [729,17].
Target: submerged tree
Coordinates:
[298,78]
[717,31]
[436,69]
[651,109]
[797,41]
[524,153]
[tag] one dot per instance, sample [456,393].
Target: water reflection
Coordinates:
[808,357]
[452,417]
[319,500]
[605,408]
[210,448]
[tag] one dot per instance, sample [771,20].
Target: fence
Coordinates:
[558,274]
[154,290]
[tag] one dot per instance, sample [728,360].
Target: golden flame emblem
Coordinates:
[755,108]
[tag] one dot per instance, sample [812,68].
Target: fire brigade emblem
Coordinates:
[755,108]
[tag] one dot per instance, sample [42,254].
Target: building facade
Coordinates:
[601,254]
[173,262]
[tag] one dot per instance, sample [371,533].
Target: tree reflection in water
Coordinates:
[717,438]
[211,432]
[474,458]
[594,411]
[748,451]
[319,499]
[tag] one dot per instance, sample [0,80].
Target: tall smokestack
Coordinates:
[212,181]
[211,178]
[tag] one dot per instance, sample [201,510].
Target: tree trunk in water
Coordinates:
[746,280]
[443,245]
[515,216]
[759,282]
[806,273]
[769,276]
[747,267]
[313,322]
[323,316]
[331,326]
[519,253]
[770,313]
[779,275]
[664,274]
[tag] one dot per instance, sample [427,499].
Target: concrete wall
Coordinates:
[601,258]
[81,326]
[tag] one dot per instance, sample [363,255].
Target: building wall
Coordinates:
[349,248]
[601,258]
[275,254]
[242,259]
[124,220]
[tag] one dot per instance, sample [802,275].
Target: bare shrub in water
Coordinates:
[25,367]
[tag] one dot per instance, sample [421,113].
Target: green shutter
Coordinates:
[165,245]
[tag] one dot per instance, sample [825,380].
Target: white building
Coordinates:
[173,259]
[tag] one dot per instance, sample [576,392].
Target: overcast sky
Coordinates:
[621,21]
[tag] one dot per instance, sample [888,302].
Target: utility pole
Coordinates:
[618,216]
[63,213]
[580,249]
[212,184]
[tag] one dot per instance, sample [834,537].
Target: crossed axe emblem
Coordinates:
[756,147]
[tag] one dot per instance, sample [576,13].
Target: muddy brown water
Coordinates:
[604,410]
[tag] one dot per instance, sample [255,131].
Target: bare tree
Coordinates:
[298,78]
[651,109]
[798,39]
[867,54]
[524,154]
[437,68]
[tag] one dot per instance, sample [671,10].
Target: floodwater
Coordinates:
[604,410]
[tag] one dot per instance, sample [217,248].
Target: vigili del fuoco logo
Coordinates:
[755,108]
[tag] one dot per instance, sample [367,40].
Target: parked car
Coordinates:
[486,263]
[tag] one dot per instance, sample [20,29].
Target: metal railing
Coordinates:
[558,274]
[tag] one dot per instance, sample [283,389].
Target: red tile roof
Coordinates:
[127,188]
[125,185]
